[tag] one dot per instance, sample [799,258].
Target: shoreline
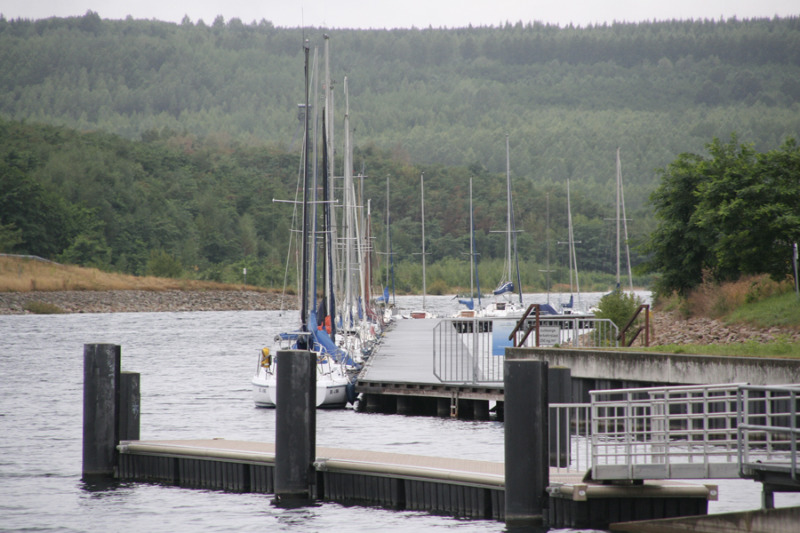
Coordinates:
[667,327]
[147,301]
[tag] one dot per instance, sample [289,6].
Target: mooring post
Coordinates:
[559,386]
[101,397]
[527,471]
[295,425]
[130,406]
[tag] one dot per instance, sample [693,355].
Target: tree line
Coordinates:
[175,206]
[170,141]
[568,97]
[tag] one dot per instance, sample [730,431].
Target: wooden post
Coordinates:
[526,441]
[101,397]
[295,425]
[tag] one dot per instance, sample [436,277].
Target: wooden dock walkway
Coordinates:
[399,378]
[466,488]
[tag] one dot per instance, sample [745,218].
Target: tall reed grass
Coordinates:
[24,274]
[717,300]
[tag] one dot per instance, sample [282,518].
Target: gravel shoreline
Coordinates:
[139,301]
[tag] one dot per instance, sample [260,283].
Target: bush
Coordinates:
[42,308]
[618,307]
[163,265]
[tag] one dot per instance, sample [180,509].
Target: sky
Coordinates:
[387,14]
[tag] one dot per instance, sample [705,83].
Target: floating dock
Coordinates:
[399,378]
[463,488]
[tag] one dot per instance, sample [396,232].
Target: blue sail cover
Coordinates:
[326,344]
[505,287]
[547,309]
[385,298]
[469,303]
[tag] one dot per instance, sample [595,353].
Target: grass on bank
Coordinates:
[26,274]
[781,347]
[755,301]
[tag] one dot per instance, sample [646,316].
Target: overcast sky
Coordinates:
[406,13]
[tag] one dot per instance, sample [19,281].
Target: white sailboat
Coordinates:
[504,304]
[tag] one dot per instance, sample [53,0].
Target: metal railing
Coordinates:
[570,435]
[472,350]
[768,429]
[665,433]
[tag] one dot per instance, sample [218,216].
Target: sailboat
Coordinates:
[574,305]
[507,306]
[383,300]
[422,313]
[624,221]
[470,310]
[334,384]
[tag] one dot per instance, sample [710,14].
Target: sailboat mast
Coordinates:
[302,342]
[619,178]
[471,246]
[387,232]
[422,196]
[508,208]
[573,259]
[314,187]
[349,206]
[625,234]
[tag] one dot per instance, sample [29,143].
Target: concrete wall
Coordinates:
[676,369]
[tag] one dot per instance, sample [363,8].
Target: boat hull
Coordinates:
[329,392]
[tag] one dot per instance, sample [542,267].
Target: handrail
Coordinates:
[521,322]
[621,336]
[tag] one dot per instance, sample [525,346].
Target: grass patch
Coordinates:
[25,275]
[781,347]
[42,308]
[782,311]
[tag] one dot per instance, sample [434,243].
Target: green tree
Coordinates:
[678,248]
[734,213]
[9,237]
[163,265]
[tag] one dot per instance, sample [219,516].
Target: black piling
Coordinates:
[526,442]
[130,406]
[295,426]
[101,401]
[559,387]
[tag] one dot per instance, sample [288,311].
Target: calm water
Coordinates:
[195,373]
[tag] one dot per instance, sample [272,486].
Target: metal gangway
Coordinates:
[686,432]
[472,349]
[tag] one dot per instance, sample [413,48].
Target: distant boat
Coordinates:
[572,306]
[422,313]
[469,303]
[507,306]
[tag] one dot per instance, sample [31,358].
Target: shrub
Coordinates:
[42,308]
[618,307]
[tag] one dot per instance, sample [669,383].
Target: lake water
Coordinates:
[195,383]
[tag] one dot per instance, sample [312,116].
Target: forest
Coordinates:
[141,145]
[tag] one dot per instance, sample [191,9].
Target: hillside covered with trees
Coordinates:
[173,139]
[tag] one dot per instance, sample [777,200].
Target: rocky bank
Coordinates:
[669,327]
